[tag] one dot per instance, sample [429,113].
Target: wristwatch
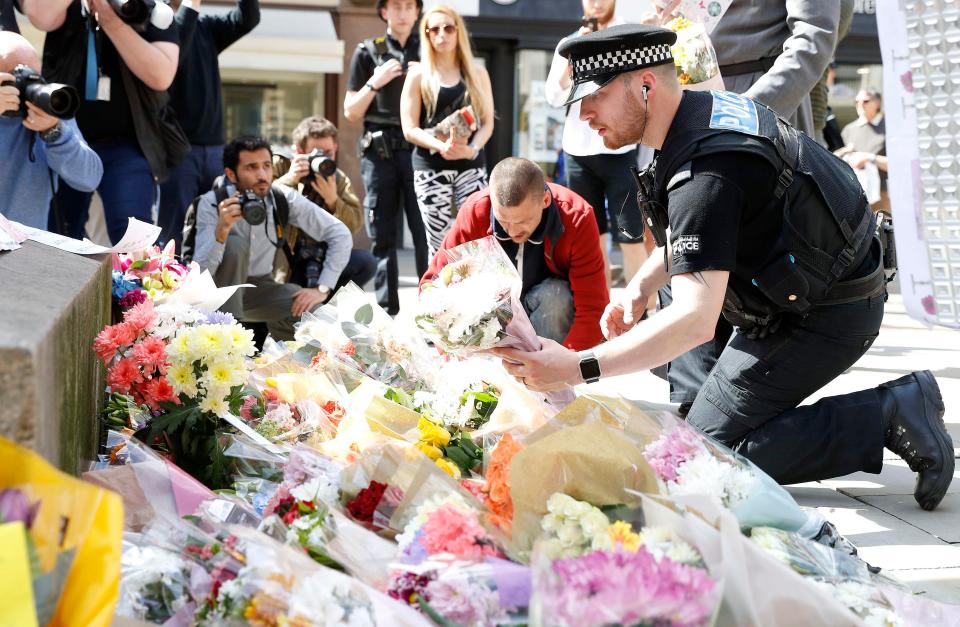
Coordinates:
[589,367]
[52,134]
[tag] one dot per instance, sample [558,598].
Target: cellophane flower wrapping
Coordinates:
[359,334]
[593,568]
[474,305]
[694,56]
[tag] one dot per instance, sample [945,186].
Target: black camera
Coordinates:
[136,13]
[320,164]
[590,23]
[253,208]
[309,260]
[56,99]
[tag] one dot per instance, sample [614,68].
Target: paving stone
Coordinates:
[943,522]
[938,584]
[896,478]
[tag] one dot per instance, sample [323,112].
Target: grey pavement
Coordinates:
[876,512]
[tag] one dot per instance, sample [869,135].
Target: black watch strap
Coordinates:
[589,367]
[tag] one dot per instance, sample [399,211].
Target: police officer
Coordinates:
[373,95]
[772,231]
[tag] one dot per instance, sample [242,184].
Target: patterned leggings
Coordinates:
[439,194]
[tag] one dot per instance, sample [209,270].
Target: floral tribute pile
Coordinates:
[359,476]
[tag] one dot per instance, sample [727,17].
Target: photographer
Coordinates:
[238,248]
[315,141]
[40,148]
[197,96]
[373,95]
[122,71]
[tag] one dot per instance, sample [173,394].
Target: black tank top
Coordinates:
[449,99]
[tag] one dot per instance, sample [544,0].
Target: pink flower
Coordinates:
[150,353]
[449,530]
[666,454]
[123,374]
[132,298]
[246,410]
[623,587]
[156,391]
[140,316]
[111,339]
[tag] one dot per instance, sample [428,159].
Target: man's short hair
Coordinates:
[315,127]
[869,93]
[514,180]
[245,143]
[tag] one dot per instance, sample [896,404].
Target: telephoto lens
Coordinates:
[253,208]
[56,99]
[320,164]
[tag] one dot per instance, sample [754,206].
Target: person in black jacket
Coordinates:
[197,99]
[8,21]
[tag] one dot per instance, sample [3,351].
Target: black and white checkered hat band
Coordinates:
[617,61]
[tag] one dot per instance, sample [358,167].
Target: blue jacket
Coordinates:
[25,189]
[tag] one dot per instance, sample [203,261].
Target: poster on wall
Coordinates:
[918,42]
[544,125]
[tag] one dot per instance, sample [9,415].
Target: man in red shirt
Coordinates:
[550,234]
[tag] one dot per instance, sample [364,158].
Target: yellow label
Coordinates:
[16,582]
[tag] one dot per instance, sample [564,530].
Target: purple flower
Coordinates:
[132,298]
[626,588]
[220,317]
[14,507]
[666,454]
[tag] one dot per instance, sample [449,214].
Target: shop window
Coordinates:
[539,126]
[271,110]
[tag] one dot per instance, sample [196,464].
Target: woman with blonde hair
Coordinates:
[446,170]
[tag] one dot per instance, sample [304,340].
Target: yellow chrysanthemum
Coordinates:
[622,534]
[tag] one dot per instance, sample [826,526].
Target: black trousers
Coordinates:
[749,400]
[388,184]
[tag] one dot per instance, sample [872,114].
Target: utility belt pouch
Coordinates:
[381,143]
[785,284]
[887,243]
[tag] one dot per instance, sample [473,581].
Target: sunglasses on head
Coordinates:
[448,29]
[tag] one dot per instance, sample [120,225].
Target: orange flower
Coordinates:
[497,490]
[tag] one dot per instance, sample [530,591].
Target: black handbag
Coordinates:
[159,134]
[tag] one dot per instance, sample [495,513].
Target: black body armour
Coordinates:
[384,111]
[827,227]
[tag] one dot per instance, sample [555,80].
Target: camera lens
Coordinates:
[253,208]
[321,164]
[56,99]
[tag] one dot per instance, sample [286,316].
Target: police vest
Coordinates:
[385,108]
[827,224]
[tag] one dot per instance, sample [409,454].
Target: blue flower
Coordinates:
[122,285]
[221,317]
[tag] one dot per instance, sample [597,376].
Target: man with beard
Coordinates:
[770,229]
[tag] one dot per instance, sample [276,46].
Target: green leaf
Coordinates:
[136,265]
[433,615]
[364,315]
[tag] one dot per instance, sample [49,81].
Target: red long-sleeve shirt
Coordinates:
[573,255]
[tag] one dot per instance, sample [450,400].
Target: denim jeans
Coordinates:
[749,400]
[194,176]
[127,190]
[550,307]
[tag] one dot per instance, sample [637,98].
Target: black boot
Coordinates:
[914,430]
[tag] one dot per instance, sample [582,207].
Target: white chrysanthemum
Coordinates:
[683,553]
[317,488]
[181,377]
[594,523]
[215,405]
[707,475]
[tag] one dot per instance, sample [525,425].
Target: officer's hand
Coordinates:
[553,367]
[298,169]
[583,30]
[386,73]
[106,16]
[624,313]
[307,298]
[9,95]
[229,213]
[39,120]
[326,188]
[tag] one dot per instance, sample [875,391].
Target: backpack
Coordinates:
[281,217]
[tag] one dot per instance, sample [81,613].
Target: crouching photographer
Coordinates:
[41,148]
[312,170]
[239,233]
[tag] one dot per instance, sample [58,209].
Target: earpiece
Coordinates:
[646,88]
